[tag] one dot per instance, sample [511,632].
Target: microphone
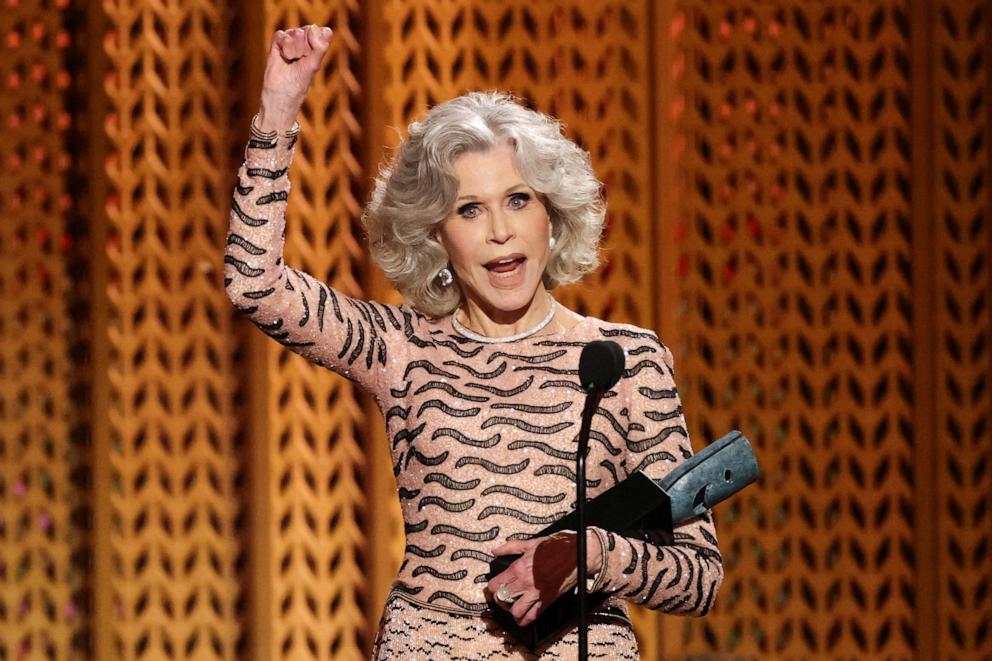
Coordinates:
[600,366]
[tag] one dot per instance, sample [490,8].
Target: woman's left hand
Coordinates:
[544,571]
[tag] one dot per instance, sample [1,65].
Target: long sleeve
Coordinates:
[682,578]
[349,336]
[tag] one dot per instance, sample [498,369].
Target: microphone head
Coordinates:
[601,365]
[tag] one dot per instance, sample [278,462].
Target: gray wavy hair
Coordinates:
[416,191]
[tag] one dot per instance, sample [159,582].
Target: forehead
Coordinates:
[489,170]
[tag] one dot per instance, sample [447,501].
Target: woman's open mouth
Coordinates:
[506,271]
[505,265]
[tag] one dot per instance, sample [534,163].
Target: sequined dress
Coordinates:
[481,439]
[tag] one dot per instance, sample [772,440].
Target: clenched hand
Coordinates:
[294,58]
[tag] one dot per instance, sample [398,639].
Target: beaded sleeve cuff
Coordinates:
[269,136]
[597,579]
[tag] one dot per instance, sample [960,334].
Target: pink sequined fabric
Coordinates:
[415,633]
[482,435]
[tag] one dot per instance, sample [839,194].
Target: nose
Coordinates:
[500,226]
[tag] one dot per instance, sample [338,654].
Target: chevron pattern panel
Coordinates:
[315,422]
[175,591]
[41,611]
[962,225]
[796,287]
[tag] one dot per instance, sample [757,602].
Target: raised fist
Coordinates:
[294,57]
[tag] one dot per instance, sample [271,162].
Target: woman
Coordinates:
[485,209]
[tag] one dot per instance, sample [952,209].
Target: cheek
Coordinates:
[542,232]
[460,246]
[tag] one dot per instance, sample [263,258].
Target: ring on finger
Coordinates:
[503,594]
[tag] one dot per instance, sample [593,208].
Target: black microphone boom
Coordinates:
[600,367]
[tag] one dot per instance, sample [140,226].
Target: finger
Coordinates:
[498,581]
[523,605]
[302,40]
[513,546]
[305,46]
[532,614]
[319,37]
[279,41]
[505,605]
[296,44]
[283,42]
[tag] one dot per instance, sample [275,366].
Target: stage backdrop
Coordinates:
[799,200]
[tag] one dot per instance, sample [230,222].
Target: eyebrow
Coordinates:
[512,189]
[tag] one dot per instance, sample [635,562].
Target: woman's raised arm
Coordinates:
[305,315]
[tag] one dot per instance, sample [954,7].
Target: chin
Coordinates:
[512,301]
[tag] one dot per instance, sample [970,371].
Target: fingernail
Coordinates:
[326,30]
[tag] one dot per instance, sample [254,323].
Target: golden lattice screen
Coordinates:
[314,424]
[799,200]
[797,286]
[837,158]
[960,365]
[169,581]
[41,586]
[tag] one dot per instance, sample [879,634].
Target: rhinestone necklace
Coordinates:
[512,338]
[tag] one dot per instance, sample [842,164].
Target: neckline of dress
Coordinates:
[532,338]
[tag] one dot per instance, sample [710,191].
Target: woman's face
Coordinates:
[497,234]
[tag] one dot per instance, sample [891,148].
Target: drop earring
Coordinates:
[445,277]
[551,243]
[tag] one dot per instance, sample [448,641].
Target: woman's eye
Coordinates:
[519,200]
[468,210]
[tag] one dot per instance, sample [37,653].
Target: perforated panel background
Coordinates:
[797,286]
[40,586]
[962,311]
[314,423]
[172,586]
[799,201]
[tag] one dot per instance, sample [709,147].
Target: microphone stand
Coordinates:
[592,402]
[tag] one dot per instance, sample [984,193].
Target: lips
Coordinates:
[505,263]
